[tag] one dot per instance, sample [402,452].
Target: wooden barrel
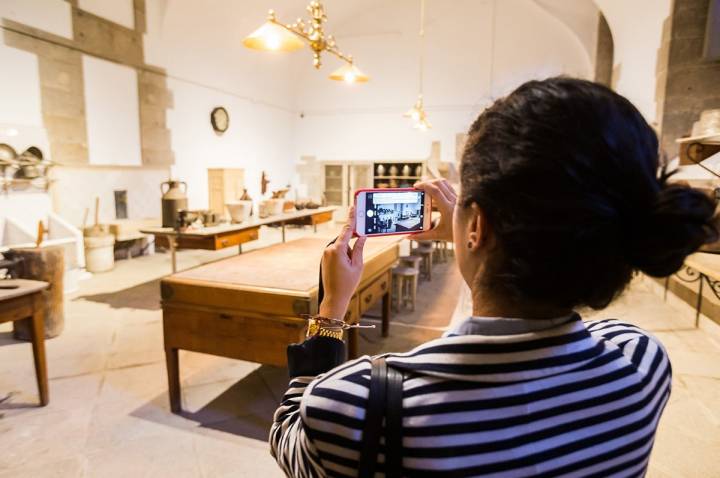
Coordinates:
[45,264]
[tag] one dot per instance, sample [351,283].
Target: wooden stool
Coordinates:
[406,280]
[441,251]
[22,299]
[411,261]
[427,259]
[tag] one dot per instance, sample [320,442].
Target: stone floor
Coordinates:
[109,415]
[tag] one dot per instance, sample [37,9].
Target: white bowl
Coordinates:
[239,210]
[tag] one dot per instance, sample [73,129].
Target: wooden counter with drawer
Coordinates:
[248,307]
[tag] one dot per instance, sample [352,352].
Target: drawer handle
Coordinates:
[383,285]
[225,316]
[224,242]
[368,298]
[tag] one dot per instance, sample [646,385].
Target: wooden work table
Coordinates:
[21,299]
[228,235]
[249,307]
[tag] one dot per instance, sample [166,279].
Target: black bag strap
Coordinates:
[373,418]
[393,423]
[384,401]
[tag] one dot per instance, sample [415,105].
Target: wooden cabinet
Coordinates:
[342,179]
[224,185]
[374,291]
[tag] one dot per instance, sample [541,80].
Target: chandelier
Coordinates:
[274,35]
[417,113]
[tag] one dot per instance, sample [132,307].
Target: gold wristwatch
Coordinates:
[325,327]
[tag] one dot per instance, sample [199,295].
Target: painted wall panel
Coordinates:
[112,113]
[118,11]
[20,88]
[52,16]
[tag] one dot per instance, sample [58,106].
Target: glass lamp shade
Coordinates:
[349,73]
[272,37]
[413,113]
[422,125]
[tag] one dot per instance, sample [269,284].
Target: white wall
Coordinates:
[463,75]
[259,138]
[209,67]
[636,27]
[76,190]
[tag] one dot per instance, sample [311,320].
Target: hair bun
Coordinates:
[681,221]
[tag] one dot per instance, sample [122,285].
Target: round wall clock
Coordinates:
[220,119]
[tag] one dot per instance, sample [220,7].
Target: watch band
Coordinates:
[325,327]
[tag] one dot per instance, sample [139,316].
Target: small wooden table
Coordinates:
[21,299]
[701,267]
[227,235]
[249,307]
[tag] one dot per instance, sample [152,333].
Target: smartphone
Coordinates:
[380,212]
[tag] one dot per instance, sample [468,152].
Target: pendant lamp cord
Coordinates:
[491,83]
[422,44]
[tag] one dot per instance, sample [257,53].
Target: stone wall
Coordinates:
[62,84]
[604,53]
[687,83]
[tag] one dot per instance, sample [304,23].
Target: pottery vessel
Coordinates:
[239,210]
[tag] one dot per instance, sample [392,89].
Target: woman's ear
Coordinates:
[477,229]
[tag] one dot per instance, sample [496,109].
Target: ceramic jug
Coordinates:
[174,198]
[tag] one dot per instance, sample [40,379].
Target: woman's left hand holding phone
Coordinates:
[342,267]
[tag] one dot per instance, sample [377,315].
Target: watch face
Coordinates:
[220,119]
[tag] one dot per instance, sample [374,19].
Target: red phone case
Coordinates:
[385,190]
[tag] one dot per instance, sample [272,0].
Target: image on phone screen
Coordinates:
[394,212]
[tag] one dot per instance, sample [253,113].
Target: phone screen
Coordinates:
[394,212]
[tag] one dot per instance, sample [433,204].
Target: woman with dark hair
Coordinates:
[562,199]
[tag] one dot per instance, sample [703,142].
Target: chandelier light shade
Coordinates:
[349,73]
[276,36]
[273,37]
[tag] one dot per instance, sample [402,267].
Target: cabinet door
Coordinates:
[216,191]
[360,176]
[334,183]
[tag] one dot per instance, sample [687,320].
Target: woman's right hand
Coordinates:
[444,197]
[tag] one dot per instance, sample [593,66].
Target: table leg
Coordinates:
[314,227]
[37,332]
[353,343]
[698,306]
[282,228]
[173,259]
[430,266]
[239,248]
[386,314]
[173,373]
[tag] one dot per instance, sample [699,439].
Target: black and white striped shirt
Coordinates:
[572,399]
